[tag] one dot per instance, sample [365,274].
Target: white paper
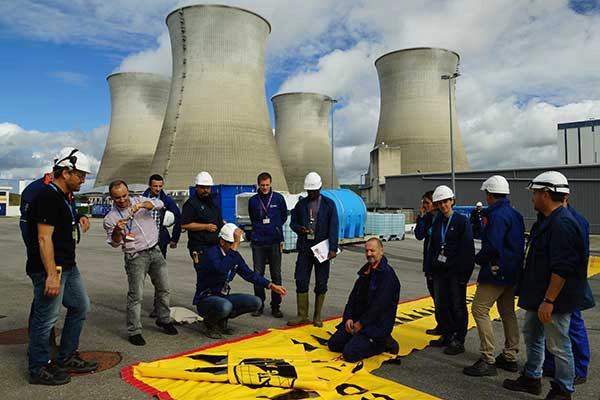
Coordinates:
[321,250]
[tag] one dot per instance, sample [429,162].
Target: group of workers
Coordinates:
[548,273]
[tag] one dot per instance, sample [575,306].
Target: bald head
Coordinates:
[374,250]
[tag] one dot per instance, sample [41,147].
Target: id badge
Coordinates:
[266,221]
[442,258]
[225,289]
[310,236]
[130,237]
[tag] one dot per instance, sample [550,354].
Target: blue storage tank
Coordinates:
[226,197]
[100,210]
[351,210]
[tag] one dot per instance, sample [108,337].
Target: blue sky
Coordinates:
[526,66]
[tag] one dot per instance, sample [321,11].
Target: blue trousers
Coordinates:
[44,314]
[355,347]
[304,266]
[451,305]
[268,254]
[580,345]
[216,308]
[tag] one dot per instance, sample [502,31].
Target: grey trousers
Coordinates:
[138,265]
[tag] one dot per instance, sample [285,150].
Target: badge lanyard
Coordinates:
[266,208]
[73,214]
[129,224]
[443,231]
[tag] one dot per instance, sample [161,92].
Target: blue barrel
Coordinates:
[2,209]
[351,210]
[226,197]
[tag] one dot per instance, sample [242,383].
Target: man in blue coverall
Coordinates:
[314,219]
[577,329]
[370,312]
[212,298]
[551,287]
[501,257]
[268,213]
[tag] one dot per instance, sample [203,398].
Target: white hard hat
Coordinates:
[204,179]
[442,192]
[72,158]
[479,204]
[226,232]
[551,180]
[169,219]
[496,184]
[312,181]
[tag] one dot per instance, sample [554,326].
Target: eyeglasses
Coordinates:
[79,174]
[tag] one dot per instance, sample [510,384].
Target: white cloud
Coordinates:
[71,77]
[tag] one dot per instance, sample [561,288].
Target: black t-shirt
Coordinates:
[205,211]
[51,207]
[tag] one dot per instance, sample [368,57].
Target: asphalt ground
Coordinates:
[428,370]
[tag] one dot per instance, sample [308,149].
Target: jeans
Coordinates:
[355,347]
[271,254]
[451,300]
[44,314]
[138,265]
[580,345]
[504,296]
[216,308]
[556,334]
[304,265]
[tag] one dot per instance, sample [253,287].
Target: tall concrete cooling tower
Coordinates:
[302,136]
[414,114]
[217,118]
[139,101]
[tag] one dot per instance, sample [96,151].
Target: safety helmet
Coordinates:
[442,192]
[312,181]
[70,157]
[553,181]
[169,219]
[204,179]
[479,204]
[226,232]
[496,184]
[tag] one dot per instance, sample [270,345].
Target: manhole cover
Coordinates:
[106,359]
[20,336]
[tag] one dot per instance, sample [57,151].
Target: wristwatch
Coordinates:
[547,300]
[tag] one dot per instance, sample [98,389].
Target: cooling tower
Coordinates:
[302,136]
[139,101]
[217,118]
[414,114]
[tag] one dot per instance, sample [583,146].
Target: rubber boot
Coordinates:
[302,318]
[319,301]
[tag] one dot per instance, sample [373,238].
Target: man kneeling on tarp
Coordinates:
[212,299]
[370,313]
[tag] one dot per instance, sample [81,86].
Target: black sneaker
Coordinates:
[137,340]
[276,312]
[507,365]
[480,368]
[455,347]
[391,345]
[77,365]
[168,328]
[441,342]
[556,392]
[434,332]
[257,313]
[524,384]
[50,375]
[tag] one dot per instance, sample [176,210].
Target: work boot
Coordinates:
[441,342]
[212,330]
[507,365]
[77,365]
[137,340]
[524,384]
[480,368]
[556,392]
[434,332]
[258,312]
[391,345]
[222,325]
[50,375]
[455,347]
[276,312]
[319,301]
[302,318]
[169,328]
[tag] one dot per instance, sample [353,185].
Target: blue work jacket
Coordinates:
[584,225]
[384,292]
[459,248]
[555,246]
[502,245]
[326,228]
[423,232]
[276,212]
[219,269]
[164,237]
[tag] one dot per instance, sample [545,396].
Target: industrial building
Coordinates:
[302,137]
[217,118]
[579,142]
[139,101]
[405,191]
[417,105]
